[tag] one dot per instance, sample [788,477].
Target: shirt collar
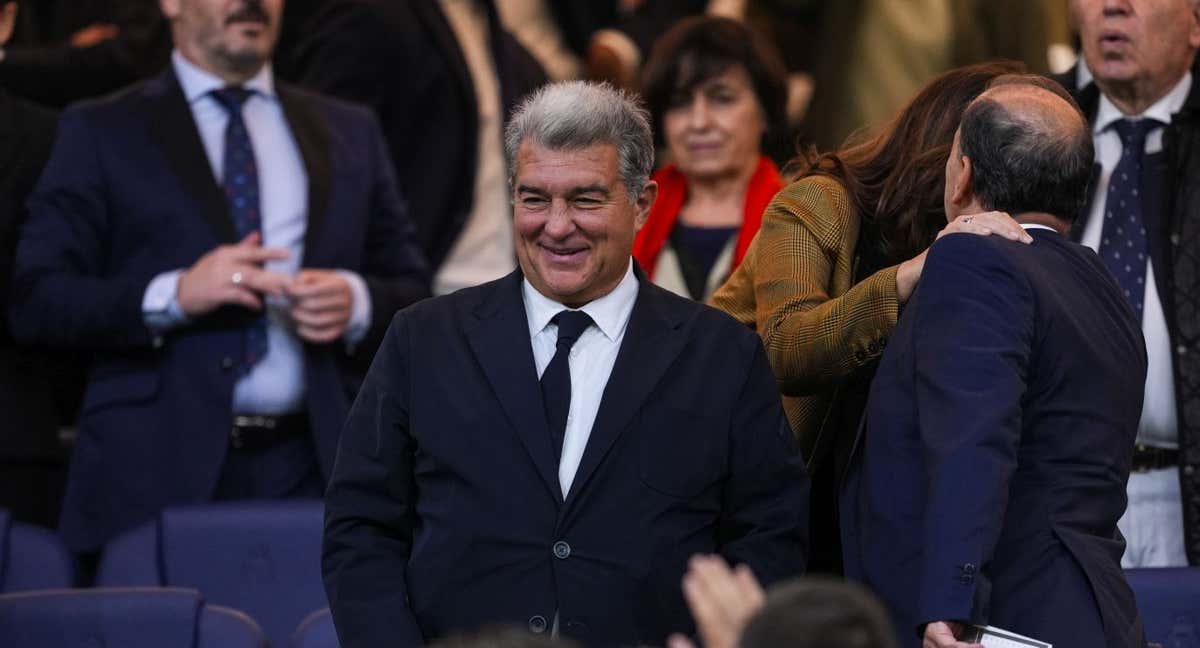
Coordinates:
[1030,226]
[1161,110]
[197,83]
[610,312]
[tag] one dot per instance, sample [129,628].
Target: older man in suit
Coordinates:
[999,429]
[230,250]
[550,448]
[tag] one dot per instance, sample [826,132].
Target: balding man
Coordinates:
[1000,426]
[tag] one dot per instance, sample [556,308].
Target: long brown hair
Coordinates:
[896,178]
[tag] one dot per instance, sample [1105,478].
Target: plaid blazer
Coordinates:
[794,288]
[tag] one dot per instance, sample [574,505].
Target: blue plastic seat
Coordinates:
[1169,602]
[263,558]
[316,631]
[151,617]
[32,558]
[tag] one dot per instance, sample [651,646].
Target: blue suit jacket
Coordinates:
[443,511]
[129,193]
[998,439]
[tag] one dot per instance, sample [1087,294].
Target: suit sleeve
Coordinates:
[764,520]
[974,333]
[394,270]
[369,508]
[62,295]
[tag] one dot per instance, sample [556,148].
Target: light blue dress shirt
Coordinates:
[276,383]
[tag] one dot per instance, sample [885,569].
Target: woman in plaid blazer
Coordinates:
[839,252]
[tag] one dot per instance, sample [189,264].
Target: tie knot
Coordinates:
[1133,132]
[232,98]
[571,324]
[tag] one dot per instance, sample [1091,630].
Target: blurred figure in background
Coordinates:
[714,93]
[35,386]
[230,250]
[442,76]
[839,252]
[65,50]
[1137,87]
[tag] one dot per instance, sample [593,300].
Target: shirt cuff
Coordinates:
[160,304]
[360,311]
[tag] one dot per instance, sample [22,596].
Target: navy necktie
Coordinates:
[556,379]
[1123,237]
[240,181]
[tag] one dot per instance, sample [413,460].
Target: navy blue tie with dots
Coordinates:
[556,379]
[240,182]
[1123,237]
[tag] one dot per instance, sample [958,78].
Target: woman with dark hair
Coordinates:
[840,251]
[715,93]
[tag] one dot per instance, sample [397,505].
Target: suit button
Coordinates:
[537,624]
[1174,239]
[872,347]
[860,355]
[1181,349]
[966,579]
[562,550]
[1188,470]
[227,363]
[968,568]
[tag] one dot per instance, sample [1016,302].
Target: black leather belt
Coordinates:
[261,432]
[1147,458]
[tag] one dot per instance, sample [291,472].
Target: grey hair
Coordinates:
[572,115]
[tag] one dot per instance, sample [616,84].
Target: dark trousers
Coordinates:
[286,469]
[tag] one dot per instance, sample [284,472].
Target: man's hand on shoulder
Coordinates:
[322,305]
[231,275]
[944,634]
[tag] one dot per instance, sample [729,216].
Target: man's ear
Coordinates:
[644,203]
[8,20]
[961,193]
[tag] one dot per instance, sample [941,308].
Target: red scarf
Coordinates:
[672,192]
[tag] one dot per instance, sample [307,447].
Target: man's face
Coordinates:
[1142,42]
[573,220]
[225,36]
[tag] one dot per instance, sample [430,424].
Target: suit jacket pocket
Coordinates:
[109,390]
[681,453]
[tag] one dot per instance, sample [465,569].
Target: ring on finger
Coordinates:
[967,220]
[236,278]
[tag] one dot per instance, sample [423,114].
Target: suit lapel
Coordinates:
[500,339]
[651,344]
[174,129]
[312,137]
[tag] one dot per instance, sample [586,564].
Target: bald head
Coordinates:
[1028,148]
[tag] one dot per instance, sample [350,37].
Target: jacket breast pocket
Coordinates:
[681,453]
[111,390]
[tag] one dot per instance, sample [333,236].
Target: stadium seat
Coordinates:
[316,631]
[149,617]
[1169,601]
[263,558]
[32,558]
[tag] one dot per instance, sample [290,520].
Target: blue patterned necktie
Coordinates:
[1123,236]
[556,379]
[240,182]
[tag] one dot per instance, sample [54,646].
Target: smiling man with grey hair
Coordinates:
[551,448]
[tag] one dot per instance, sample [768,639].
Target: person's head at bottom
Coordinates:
[819,613]
[580,156]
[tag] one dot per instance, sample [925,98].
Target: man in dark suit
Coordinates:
[999,429]
[1136,82]
[442,76]
[468,491]
[230,250]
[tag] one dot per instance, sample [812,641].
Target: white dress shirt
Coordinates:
[1158,426]
[275,385]
[591,360]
